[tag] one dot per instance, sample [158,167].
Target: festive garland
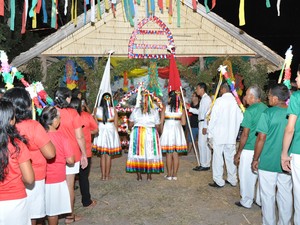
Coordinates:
[36,89]
[119,107]
[165,31]
[224,72]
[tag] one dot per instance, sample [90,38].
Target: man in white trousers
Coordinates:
[243,157]
[223,128]
[204,151]
[290,156]
[275,185]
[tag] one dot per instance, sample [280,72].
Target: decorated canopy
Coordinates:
[197,34]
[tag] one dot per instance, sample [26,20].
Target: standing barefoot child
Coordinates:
[57,197]
[108,141]
[15,168]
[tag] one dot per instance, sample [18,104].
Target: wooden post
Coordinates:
[44,68]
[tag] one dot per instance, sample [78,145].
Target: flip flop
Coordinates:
[72,219]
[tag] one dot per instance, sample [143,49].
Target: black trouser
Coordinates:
[85,184]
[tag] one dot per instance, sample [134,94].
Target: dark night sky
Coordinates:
[262,23]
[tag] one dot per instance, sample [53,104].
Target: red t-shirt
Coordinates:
[37,138]
[13,187]
[69,121]
[89,124]
[56,167]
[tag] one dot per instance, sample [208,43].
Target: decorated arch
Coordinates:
[153,46]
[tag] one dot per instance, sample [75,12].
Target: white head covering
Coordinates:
[105,82]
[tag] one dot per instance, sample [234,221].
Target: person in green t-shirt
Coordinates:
[291,144]
[244,155]
[267,156]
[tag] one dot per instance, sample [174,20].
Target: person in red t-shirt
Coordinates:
[39,145]
[56,185]
[15,168]
[71,126]
[89,127]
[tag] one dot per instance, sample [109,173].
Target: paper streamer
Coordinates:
[224,72]
[287,68]
[242,13]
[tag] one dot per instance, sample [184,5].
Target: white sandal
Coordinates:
[168,178]
[174,178]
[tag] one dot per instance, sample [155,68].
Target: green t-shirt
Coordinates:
[294,108]
[251,118]
[272,123]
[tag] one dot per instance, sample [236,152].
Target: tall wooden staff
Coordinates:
[175,79]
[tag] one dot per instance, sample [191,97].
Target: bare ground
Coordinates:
[188,201]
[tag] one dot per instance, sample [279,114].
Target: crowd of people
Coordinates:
[40,159]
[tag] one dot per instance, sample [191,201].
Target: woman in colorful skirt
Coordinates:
[107,143]
[173,139]
[144,155]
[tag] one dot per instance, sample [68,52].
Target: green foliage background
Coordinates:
[192,74]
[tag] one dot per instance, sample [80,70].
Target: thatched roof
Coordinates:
[200,34]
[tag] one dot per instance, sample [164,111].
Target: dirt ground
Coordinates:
[188,201]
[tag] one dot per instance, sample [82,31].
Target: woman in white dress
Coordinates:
[108,141]
[144,154]
[173,139]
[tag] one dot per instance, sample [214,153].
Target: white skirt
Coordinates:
[14,212]
[57,199]
[172,138]
[108,141]
[36,199]
[72,169]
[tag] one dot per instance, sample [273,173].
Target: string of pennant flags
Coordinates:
[39,7]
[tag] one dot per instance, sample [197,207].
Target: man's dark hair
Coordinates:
[202,85]
[226,86]
[280,91]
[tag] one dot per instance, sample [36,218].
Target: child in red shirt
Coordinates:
[15,168]
[57,197]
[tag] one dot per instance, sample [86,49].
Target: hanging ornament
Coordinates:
[153,85]
[70,77]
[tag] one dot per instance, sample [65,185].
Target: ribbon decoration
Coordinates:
[224,72]
[44,11]
[242,13]
[1,7]
[24,17]
[287,68]
[194,3]
[36,89]
[178,3]
[119,107]
[268,5]
[12,14]
[160,5]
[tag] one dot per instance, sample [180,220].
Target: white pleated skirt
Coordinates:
[14,212]
[57,199]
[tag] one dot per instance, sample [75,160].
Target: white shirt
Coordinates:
[202,110]
[225,120]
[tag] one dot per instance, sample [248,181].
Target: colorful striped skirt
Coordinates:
[144,154]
